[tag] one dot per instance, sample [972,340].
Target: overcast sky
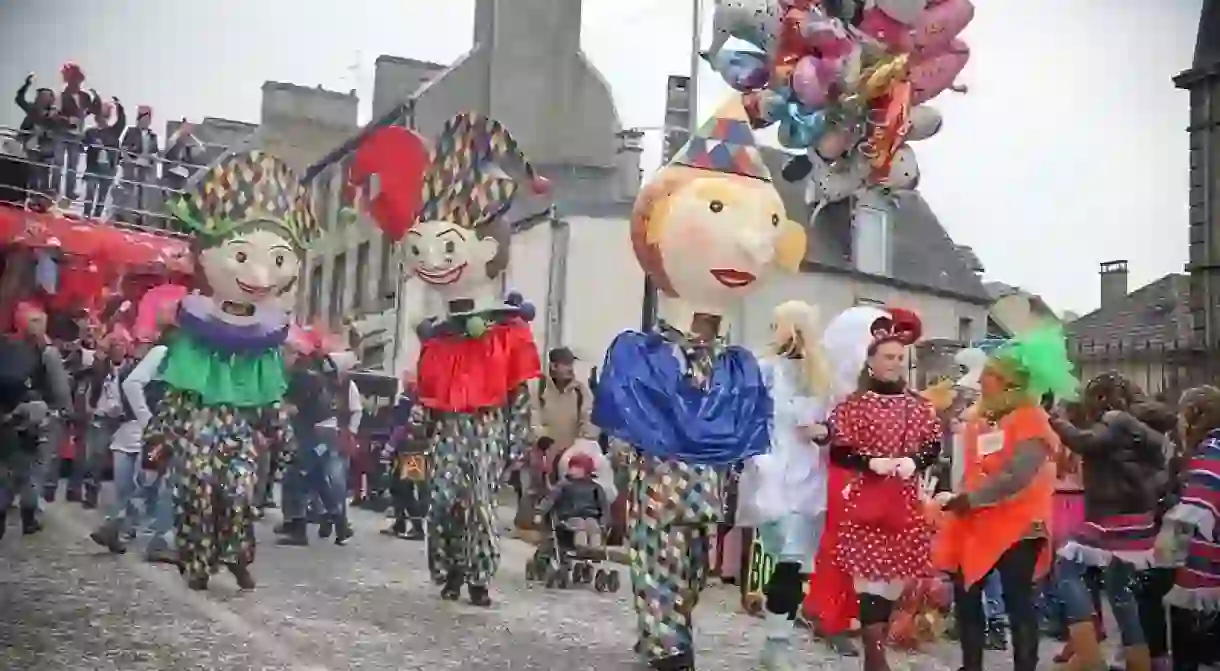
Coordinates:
[1068,150]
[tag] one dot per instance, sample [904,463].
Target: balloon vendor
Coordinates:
[222,370]
[656,388]
[783,491]
[999,517]
[476,360]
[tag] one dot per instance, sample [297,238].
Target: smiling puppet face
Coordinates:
[251,266]
[710,226]
[454,261]
[719,237]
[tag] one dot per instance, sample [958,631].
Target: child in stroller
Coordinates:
[577,509]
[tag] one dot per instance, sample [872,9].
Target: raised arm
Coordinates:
[21,100]
[1085,442]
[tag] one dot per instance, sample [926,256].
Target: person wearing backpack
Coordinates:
[561,405]
[26,398]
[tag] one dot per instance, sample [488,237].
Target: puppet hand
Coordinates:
[815,432]
[881,465]
[927,486]
[942,498]
[904,468]
[959,503]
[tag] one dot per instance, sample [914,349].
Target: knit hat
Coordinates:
[243,189]
[726,144]
[582,461]
[467,181]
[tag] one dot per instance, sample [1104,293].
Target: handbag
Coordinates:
[879,500]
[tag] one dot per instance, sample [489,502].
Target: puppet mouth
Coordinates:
[441,277]
[253,290]
[733,279]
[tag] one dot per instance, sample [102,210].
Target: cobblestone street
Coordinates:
[66,604]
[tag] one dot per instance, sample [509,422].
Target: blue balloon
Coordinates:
[741,69]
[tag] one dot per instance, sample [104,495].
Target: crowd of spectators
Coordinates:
[75,136]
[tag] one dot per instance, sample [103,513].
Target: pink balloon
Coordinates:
[940,24]
[931,76]
[878,25]
[156,309]
[812,77]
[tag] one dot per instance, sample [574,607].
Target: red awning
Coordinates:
[103,243]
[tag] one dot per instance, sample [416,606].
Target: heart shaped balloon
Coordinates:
[387,176]
[929,77]
[939,24]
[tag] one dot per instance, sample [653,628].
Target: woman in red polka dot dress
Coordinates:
[885,434]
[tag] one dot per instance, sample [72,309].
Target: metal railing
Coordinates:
[131,193]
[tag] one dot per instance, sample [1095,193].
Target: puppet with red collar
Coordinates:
[477,358]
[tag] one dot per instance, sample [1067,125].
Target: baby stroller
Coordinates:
[559,562]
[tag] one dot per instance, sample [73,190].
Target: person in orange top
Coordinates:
[1000,518]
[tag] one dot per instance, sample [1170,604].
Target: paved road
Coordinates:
[67,605]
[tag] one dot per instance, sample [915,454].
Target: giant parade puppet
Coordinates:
[221,365]
[846,82]
[681,404]
[477,358]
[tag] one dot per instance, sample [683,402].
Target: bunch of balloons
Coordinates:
[843,78]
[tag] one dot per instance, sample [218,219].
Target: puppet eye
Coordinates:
[716,206]
[775,220]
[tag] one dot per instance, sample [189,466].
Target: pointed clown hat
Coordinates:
[247,188]
[725,143]
[468,180]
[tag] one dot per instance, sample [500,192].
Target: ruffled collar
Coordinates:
[200,317]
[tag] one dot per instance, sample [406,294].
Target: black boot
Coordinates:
[295,533]
[452,589]
[108,536]
[416,533]
[325,528]
[198,583]
[3,522]
[241,573]
[479,596]
[996,638]
[72,494]
[343,531]
[683,661]
[49,492]
[29,521]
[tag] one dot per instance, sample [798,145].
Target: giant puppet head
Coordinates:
[252,220]
[1026,369]
[459,242]
[710,225]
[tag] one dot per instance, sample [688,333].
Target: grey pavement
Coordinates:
[65,604]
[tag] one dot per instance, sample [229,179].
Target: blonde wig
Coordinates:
[795,330]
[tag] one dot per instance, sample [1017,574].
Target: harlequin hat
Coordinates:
[467,181]
[726,143]
[245,188]
[900,325]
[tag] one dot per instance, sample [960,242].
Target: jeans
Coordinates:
[993,597]
[126,469]
[1120,590]
[319,469]
[44,474]
[67,157]
[1015,569]
[97,188]
[91,457]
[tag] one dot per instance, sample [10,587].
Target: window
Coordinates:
[315,291]
[388,283]
[871,240]
[965,329]
[362,264]
[338,285]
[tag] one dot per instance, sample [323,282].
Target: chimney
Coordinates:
[1113,282]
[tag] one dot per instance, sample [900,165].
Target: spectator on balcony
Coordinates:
[74,106]
[102,155]
[135,193]
[183,151]
[42,121]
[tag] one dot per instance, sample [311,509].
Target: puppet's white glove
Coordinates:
[881,465]
[904,468]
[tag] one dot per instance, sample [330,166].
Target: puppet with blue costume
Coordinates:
[680,404]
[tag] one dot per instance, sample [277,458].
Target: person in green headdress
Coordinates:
[221,365]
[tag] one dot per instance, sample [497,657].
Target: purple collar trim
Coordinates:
[197,317]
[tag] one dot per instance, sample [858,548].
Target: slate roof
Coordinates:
[1207,43]
[998,290]
[925,258]
[1157,313]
